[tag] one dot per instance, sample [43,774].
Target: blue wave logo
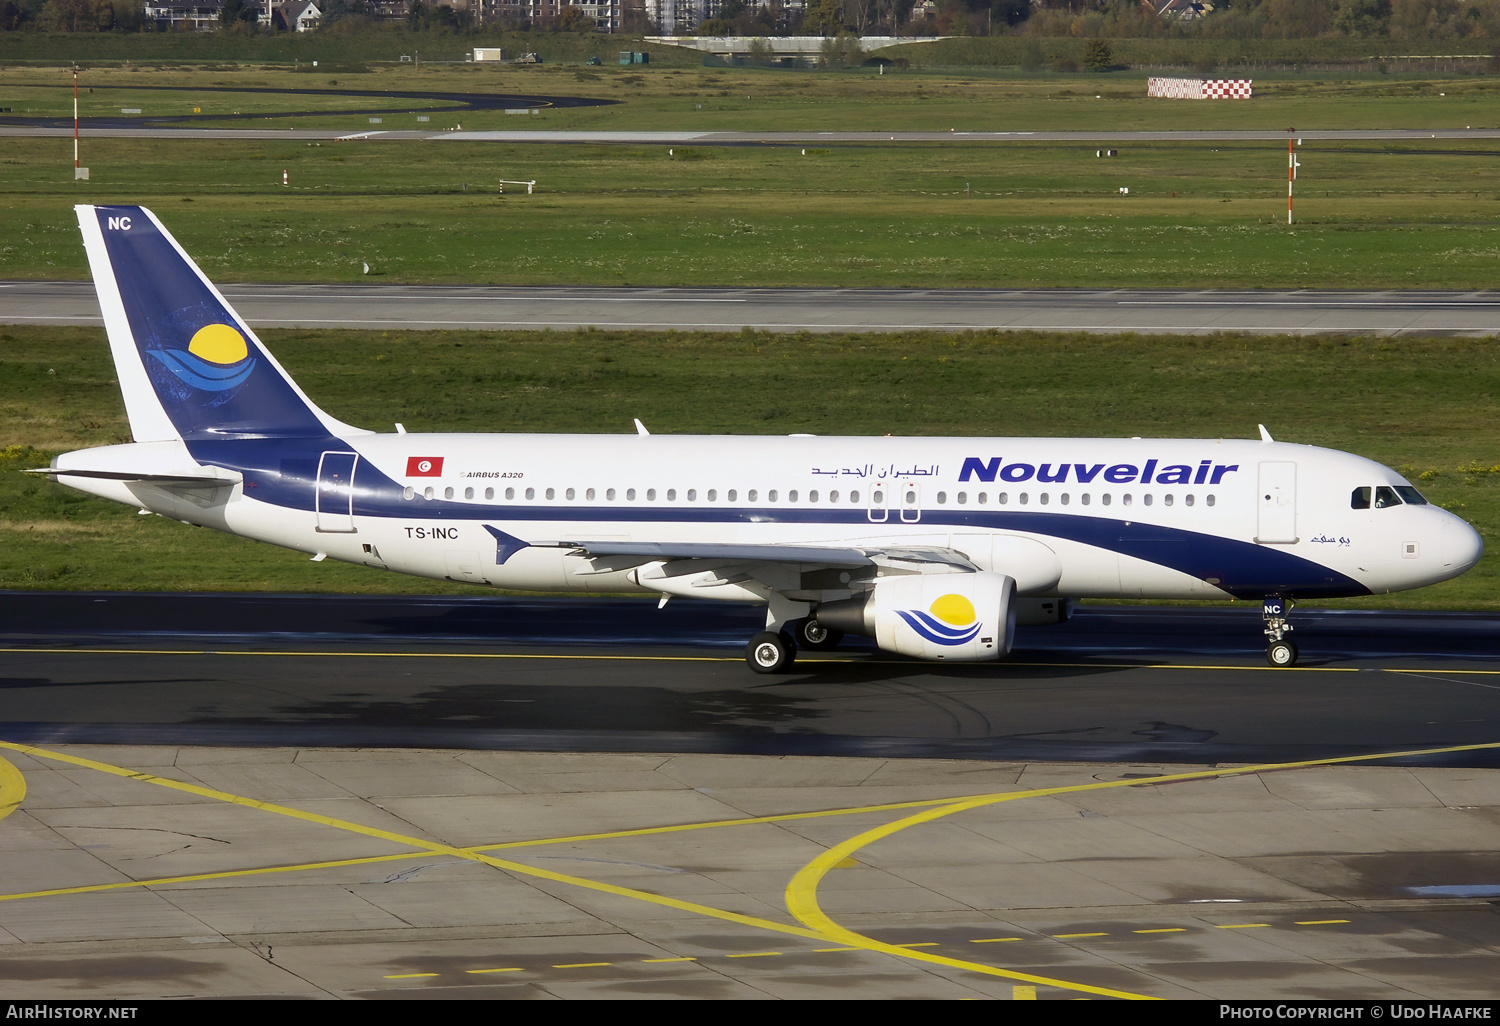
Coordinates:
[950,620]
[216,360]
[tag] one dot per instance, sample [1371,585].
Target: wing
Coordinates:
[746,571]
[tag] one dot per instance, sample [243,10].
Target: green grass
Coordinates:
[1426,406]
[750,99]
[1371,215]
[1408,214]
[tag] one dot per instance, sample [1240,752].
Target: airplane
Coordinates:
[934,547]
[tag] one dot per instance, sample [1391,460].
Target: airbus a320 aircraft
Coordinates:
[935,547]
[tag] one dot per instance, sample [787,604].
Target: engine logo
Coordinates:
[950,620]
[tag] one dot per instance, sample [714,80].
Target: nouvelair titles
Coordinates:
[988,471]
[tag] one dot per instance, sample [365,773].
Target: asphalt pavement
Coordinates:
[486,307]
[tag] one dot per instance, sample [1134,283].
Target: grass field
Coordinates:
[1420,214]
[1409,215]
[753,99]
[1371,215]
[1427,406]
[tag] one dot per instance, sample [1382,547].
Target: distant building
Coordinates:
[682,17]
[604,13]
[1178,10]
[297,16]
[189,15]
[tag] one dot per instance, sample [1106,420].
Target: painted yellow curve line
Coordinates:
[802,891]
[12,788]
[435,847]
[300,867]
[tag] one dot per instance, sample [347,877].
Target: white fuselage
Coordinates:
[1138,518]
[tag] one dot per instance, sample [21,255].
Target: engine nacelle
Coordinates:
[954,617]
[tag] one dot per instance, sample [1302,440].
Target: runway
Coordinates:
[597,799]
[493,308]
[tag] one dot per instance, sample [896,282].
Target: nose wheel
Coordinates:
[1281,651]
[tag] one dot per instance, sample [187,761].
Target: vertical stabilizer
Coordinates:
[189,366]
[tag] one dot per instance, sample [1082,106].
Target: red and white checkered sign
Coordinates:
[1199,88]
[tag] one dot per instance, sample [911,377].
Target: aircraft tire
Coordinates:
[1282,653]
[770,652]
[813,636]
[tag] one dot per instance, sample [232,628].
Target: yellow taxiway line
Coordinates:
[801,892]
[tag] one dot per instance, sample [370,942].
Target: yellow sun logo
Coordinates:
[954,609]
[219,343]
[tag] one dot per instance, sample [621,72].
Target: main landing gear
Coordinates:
[1281,651]
[775,651]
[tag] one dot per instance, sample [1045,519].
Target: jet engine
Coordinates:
[956,617]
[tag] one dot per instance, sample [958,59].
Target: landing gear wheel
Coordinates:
[812,635]
[1282,653]
[769,652]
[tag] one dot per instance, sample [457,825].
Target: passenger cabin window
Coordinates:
[1386,497]
[1359,498]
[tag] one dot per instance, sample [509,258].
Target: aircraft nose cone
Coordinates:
[1462,545]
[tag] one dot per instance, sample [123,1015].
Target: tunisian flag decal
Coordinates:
[424,466]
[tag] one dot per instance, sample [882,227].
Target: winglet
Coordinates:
[1265,436]
[640,428]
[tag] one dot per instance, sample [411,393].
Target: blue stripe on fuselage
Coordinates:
[283,472]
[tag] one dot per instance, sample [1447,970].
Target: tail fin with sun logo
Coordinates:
[188,365]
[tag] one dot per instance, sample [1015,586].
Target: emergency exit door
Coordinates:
[1277,521]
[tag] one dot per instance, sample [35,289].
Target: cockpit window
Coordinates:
[1386,497]
[1359,498]
[1411,495]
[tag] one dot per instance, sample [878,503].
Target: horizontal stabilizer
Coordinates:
[191,477]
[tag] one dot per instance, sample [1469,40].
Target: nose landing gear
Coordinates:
[1281,651]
